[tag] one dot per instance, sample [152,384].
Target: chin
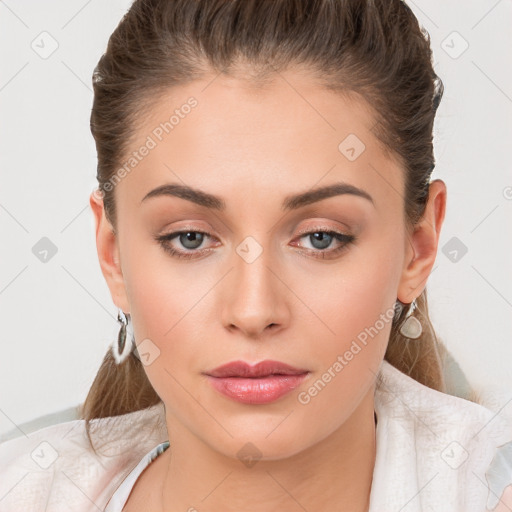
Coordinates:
[261,444]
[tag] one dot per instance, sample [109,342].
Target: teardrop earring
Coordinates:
[411,327]
[121,348]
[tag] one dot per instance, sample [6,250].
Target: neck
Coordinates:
[335,472]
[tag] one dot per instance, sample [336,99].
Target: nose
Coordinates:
[255,300]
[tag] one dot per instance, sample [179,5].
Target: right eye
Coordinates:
[189,239]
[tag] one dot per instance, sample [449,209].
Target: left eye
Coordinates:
[320,240]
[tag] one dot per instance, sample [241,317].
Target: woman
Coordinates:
[266,224]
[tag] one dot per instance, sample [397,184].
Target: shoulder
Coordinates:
[462,448]
[56,468]
[400,393]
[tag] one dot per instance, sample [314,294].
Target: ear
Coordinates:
[421,249]
[108,253]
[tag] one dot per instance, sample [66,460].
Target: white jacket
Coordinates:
[435,452]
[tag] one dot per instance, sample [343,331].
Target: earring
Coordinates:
[121,349]
[411,327]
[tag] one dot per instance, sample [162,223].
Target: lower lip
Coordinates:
[261,390]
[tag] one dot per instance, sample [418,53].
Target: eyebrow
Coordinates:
[291,202]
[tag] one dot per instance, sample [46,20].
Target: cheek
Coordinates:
[356,312]
[159,291]
[168,308]
[352,294]
[354,306]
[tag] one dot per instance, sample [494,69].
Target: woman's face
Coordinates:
[259,284]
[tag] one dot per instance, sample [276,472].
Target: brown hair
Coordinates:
[374,48]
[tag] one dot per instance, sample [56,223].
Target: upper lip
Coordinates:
[261,369]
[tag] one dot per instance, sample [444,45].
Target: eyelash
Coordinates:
[317,253]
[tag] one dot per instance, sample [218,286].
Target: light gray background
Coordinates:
[58,318]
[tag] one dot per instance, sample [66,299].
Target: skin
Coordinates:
[254,146]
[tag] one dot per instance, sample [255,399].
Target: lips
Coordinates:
[260,384]
[262,369]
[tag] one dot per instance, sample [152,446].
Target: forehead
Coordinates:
[287,134]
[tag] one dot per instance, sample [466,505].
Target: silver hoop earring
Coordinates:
[411,327]
[121,348]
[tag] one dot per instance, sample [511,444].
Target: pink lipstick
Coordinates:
[262,383]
